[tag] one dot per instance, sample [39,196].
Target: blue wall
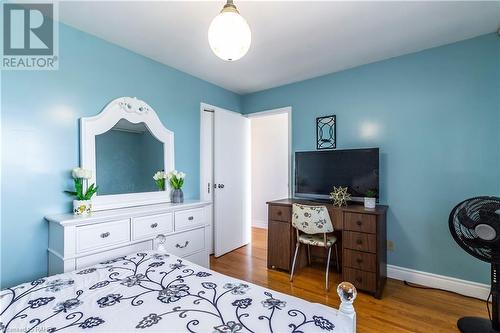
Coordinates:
[40,112]
[435,116]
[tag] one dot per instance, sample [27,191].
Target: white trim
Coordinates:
[135,111]
[287,110]
[259,224]
[463,287]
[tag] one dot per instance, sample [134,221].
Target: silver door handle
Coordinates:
[182,246]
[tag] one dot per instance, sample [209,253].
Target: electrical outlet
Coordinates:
[390,245]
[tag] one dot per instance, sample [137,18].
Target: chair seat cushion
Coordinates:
[317,239]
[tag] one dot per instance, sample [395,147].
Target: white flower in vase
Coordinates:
[176,180]
[82,205]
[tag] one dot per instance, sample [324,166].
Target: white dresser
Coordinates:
[76,242]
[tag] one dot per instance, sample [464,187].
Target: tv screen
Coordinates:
[317,172]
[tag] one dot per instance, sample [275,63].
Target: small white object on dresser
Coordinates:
[76,242]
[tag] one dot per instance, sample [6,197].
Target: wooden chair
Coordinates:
[313,224]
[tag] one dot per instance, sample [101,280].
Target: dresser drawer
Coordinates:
[359,241]
[148,226]
[360,260]
[280,213]
[362,280]
[91,237]
[112,254]
[187,219]
[360,222]
[199,258]
[185,243]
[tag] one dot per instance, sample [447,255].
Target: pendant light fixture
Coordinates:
[229,35]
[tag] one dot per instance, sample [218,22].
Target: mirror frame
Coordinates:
[135,111]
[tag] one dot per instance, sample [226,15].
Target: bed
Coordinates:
[154,291]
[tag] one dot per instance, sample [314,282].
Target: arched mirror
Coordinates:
[124,146]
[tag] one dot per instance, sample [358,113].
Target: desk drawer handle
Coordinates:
[154,225]
[359,260]
[105,234]
[279,213]
[359,223]
[182,246]
[190,218]
[359,241]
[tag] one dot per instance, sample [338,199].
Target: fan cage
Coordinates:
[464,217]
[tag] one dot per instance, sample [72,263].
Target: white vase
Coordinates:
[82,207]
[369,202]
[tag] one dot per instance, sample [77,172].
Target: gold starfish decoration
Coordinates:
[340,196]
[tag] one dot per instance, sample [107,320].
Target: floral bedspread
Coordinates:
[155,292]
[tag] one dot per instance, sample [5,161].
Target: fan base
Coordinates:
[475,325]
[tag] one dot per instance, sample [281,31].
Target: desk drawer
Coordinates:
[359,241]
[280,213]
[189,218]
[362,280]
[360,260]
[147,226]
[185,243]
[95,236]
[360,222]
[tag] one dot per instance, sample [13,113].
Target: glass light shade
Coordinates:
[229,36]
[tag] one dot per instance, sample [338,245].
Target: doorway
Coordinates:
[245,161]
[270,156]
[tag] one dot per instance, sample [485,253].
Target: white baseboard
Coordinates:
[259,224]
[463,287]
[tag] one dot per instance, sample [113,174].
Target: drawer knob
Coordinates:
[359,260]
[190,218]
[279,212]
[105,234]
[359,241]
[154,225]
[182,246]
[359,223]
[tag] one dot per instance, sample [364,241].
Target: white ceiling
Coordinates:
[291,41]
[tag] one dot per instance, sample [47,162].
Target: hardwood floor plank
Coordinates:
[402,308]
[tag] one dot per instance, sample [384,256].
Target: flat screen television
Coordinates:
[317,172]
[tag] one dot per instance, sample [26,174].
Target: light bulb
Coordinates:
[229,35]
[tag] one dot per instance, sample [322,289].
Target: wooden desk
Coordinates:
[362,242]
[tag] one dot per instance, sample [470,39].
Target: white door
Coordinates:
[207,166]
[231,181]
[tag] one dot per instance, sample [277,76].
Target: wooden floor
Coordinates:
[402,308]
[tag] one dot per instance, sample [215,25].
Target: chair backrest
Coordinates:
[311,219]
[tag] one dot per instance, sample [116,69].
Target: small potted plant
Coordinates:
[176,180]
[159,178]
[82,205]
[370,196]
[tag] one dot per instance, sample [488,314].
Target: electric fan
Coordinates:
[475,226]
